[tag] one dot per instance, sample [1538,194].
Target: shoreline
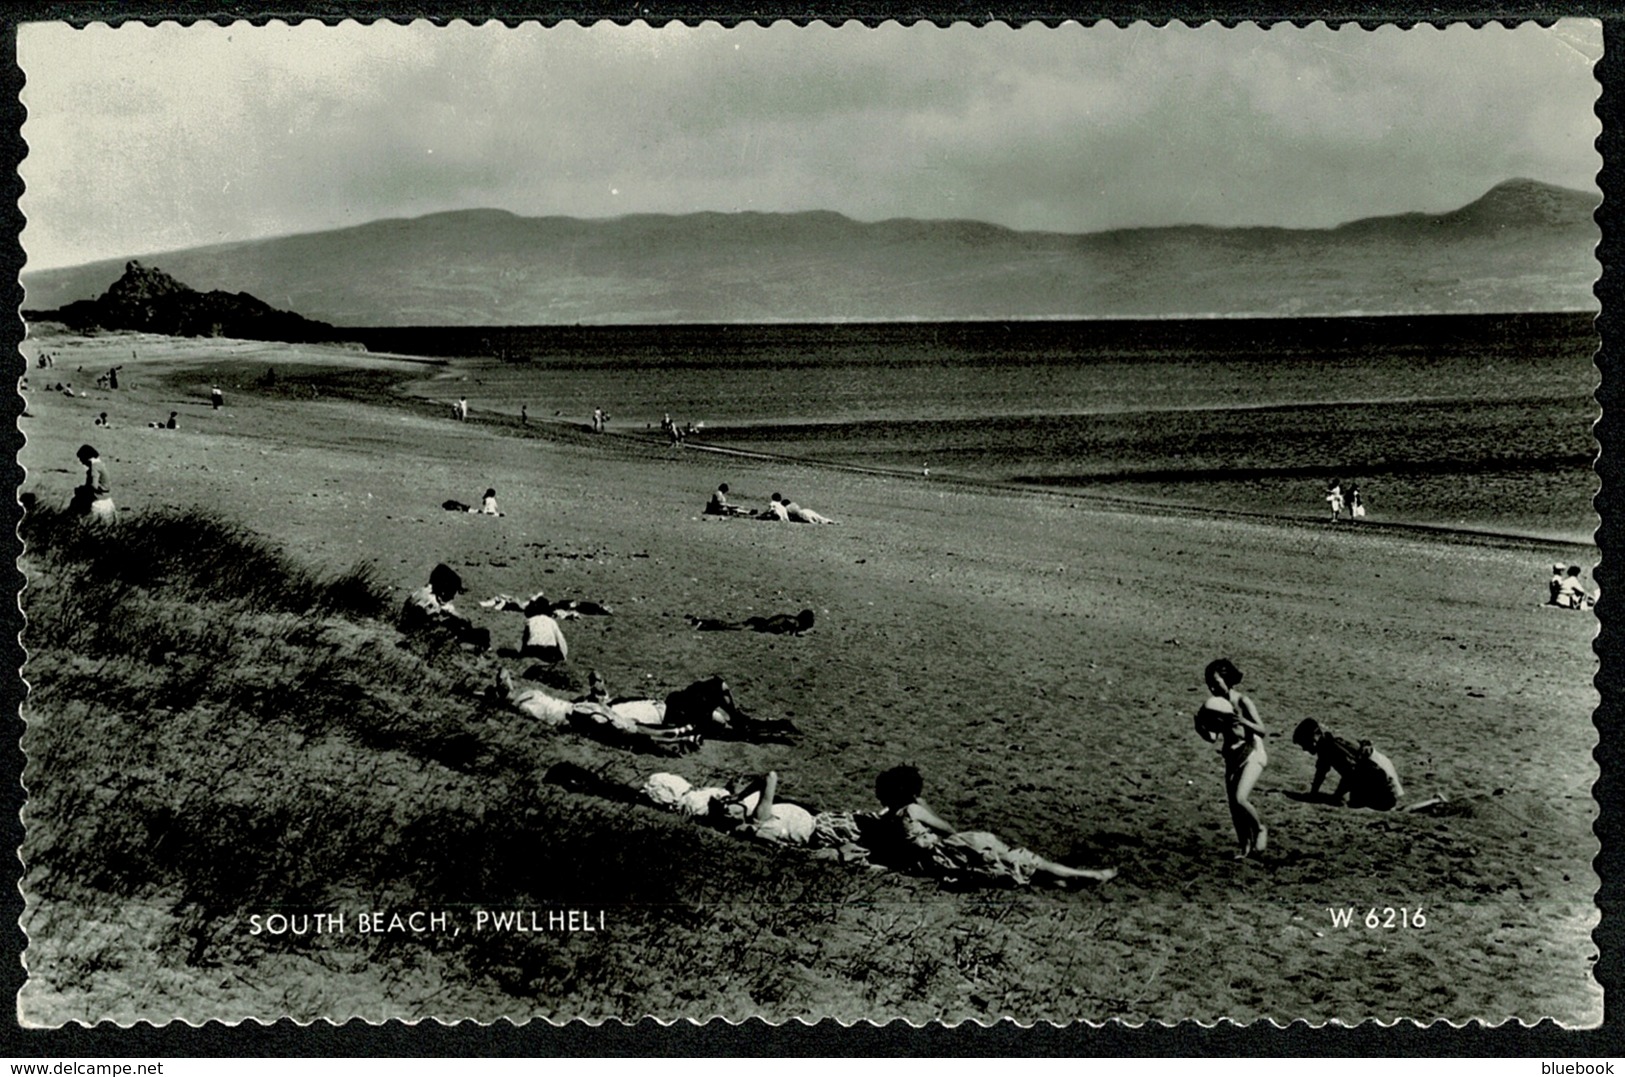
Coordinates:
[348,368]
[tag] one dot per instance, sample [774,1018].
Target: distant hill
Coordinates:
[152,301]
[1523,246]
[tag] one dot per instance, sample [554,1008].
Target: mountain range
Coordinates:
[1522,246]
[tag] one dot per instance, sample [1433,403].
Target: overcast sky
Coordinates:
[150,139]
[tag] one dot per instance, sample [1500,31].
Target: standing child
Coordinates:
[1230,721]
[1334,497]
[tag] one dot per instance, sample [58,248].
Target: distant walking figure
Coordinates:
[1356,504]
[461,410]
[92,499]
[524,416]
[216,397]
[1334,497]
[1229,721]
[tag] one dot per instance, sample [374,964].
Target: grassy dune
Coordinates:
[221,726]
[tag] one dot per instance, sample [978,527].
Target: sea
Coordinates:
[1474,422]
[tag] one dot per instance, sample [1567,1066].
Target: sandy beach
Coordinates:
[1038,656]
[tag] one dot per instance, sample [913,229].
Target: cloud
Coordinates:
[150,138]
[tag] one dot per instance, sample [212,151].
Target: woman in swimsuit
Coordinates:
[1230,721]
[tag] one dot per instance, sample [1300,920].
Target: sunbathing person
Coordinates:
[750,808]
[708,706]
[1365,777]
[774,511]
[628,724]
[430,610]
[798,515]
[779,624]
[915,838]
[719,506]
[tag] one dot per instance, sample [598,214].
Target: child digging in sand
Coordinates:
[1365,777]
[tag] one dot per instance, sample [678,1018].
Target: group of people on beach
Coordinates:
[1566,590]
[778,508]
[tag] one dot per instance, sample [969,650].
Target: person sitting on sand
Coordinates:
[1572,593]
[774,510]
[798,515]
[1365,777]
[174,421]
[92,498]
[719,506]
[488,504]
[542,638]
[914,838]
[101,420]
[779,624]
[430,609]
[1230,721]
[1555,586]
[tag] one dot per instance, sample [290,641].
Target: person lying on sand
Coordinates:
[719,506]
[542,638]
[747,807]
[709,707]
[430,610]
[1230,721]
[913,837]
[750,808]
[779,624]
[774,510]
[798,515]
[631,724]
[1365,777]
